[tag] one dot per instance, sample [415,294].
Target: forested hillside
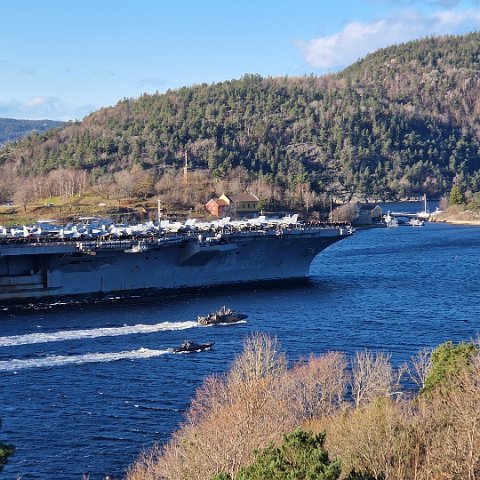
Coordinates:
[402,122]
[12,129]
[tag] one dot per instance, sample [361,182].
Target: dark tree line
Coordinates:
[11,129]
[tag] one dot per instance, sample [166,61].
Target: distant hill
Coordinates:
[12,129]
[403,121]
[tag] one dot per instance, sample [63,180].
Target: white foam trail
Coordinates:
[60,336]
[59,360]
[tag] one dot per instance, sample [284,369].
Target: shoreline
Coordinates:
[462,218]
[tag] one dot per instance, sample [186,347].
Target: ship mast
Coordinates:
[159,213]
[185,167]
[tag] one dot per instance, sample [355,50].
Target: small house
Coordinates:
[236,205]
[368,214]
[217,207]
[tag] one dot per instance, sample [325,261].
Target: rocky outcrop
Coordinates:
[463,217]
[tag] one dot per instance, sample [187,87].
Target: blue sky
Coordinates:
[62,59]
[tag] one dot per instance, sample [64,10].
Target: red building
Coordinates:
[217,207]
[239,205]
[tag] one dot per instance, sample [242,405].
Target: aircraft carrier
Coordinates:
[37,266]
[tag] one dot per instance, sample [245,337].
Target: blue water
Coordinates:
[86,387]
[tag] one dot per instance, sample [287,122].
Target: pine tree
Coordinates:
[456,196]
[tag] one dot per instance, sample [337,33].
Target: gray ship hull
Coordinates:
[43,270]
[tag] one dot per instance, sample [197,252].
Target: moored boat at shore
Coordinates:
[390,221]
[416,222]
[424,214]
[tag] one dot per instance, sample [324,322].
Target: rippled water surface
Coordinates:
[85,387]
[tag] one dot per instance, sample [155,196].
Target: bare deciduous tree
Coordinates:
[372,377]
[67,182]
[7,183]
[317,387]
[344,213]
[451,426]
[261,358]
[419,367]
[376,439]
[24,194]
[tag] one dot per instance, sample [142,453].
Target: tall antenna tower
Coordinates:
[185,167]
[159,213]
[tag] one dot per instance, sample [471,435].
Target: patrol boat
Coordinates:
[223,315]
[190,346]
[35,265]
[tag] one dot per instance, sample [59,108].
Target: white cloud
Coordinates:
[41,102]
[357,39]
[42,107]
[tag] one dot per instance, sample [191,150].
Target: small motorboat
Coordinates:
[224,315]
[189,346]
[390,221]
[416,222]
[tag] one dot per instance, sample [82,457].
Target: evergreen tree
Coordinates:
[301,456]
[446,361]
[456,196]
[5,451]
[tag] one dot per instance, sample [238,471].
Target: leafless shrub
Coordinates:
[146,466]
[317,387]
[451,426]
[376,438]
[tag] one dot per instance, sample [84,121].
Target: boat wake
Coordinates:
[59,336]
[60,360]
